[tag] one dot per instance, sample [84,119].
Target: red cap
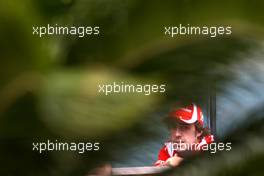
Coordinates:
[189,114]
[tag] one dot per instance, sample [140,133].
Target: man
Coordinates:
[187,135]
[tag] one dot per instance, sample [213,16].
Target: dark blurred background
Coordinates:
[48,85]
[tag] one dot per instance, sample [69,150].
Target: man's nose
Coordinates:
[177,132]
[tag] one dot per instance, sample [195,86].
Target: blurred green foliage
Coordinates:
[48,85]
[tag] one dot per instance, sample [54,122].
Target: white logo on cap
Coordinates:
[194,116]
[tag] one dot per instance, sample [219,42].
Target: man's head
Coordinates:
[186,125]
[186,133]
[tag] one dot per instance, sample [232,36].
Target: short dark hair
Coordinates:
[205,130]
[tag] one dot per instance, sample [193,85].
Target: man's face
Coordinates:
[184,134]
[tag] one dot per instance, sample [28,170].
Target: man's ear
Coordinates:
[198,134]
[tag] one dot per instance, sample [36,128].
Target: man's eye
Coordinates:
[184,128]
